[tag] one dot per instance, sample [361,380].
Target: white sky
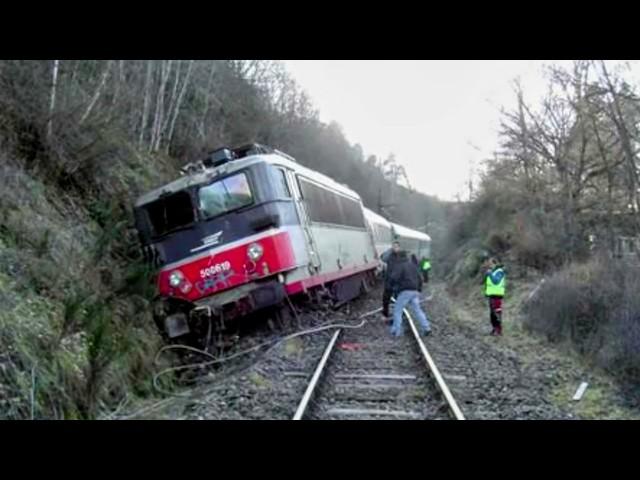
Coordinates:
[426,112]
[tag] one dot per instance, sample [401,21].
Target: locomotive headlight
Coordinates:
[176,278]
[255,251]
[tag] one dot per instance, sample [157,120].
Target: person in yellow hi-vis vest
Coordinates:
[494,281]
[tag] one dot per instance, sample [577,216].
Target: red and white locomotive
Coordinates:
[245,228]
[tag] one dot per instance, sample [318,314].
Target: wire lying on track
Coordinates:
[215,360]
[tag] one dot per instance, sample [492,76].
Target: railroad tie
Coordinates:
[372,412]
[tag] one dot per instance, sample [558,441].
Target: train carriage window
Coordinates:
[382,233]
[386,233]
[351,212]
[325,206]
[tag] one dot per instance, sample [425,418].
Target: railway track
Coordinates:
[366,374]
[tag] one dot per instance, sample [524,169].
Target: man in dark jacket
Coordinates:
[406,282]
[390,258]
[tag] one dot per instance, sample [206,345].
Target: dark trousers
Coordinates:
[495,312]
[425,276]
[386,299]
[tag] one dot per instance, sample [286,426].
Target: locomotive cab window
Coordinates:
[225,195]
[283,186]
[170,213]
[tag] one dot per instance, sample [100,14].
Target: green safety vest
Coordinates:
[426,265]
[494,289]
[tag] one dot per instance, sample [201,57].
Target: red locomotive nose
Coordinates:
[224,268]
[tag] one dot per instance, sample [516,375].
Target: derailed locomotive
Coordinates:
[244,229]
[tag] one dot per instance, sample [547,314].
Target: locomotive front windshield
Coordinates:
[225,195]
[176,211]
[170,213]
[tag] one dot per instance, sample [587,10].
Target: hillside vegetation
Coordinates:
[79,140]
[560,201]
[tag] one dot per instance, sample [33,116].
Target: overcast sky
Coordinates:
[436,116]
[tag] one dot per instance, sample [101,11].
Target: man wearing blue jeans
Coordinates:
[407,281]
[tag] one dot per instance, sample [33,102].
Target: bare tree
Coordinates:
[52,102]
[176,110]
[97,93]
[156,132]
[621,122]
[145,106]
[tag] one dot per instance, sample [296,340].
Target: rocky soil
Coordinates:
[511,377]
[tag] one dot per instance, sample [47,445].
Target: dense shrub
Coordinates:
[596,307]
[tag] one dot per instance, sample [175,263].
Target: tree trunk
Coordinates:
[176,110]
[145,106]
[566,214]
[97,93]
[117,85]
[52,102]
[172,101]
[207,94]
[159,114]
[618,119]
